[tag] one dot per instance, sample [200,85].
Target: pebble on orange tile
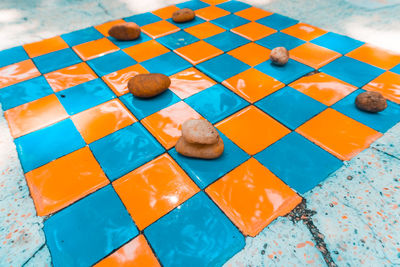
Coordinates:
[253,13]
[313,55]
[146,50]
[253,31]
[211,13]
[198,52]
[103,28]
[304,31]
[18,72]
[159,28]
[251,54]
[96,48]
[204,30]
[375,56]
[165,12]
[388,84]
[45,46]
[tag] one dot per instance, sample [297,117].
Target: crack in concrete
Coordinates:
[34,254]
[390,155]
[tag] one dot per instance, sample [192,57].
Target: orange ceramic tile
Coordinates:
[159,28]
[45,46]
[102,120]
[135,253]
[118,80]
[375,56]
[146,50]
[253,31]
[198,52]
[338,134]
[166,124]
[61,182]
[211,12]
[253,13]
[304,31]
[165,12]
[95,48]
[204,30]
[253,85]
[18,72]
[323,88]
[251,54]
[313,55]
[154,189]
[70,76]
[35,115]
[189,82]
[103,28]
[387,84]
[252,197]
[214,2]
[252,130]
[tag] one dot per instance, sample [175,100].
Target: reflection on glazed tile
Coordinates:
[167,64]
[154,189]
[251,54]
[234,6]
[338,134]
[102,120]
[18,72]
[12,55]
[177,40]
[143,19]
[211,12]
[96,48]
[230,21]
[253,85]
[187,24]
[252,197]
[136,252]
[45,46]
[198,52]
[375,56]
[34,115]
[193,4]
[111,62]
[313,55]
[56,60]
[105,27]
[166,124]
[70,76]
[204,30]
[226,41]
[81,36]
[118,80]
[304,31]
[337,42]
[159,29]
[277,21]
[165,12]
[189,82]
[253,13]
[253,31]
[388,84]
[261,130]
[64,181]
[214,2]
[323,87]
[280,39]
[146,50]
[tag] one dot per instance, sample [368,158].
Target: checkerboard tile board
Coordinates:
[101,163]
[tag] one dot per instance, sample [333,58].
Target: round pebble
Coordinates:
[183,15]
[279,56]
[199,132]
[148,85]
[125,31]
[371,101]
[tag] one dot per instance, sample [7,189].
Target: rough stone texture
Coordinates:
[390,142]
[183,15]
[371,102]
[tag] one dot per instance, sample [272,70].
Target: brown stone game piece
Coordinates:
[371,101]
[125,31]
[279,56]
[148,85]
[183,15]
[199,132]
[199,150]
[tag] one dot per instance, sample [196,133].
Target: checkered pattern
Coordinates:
[102,162]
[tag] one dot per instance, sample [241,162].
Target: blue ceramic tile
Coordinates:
[288,73]
[396,69]
[290,107]
[143,19]
[111,62]
[85,96]
[168,64]
[222,67]
[81,36]
[277,22]
[125,44]
[24,92]
[381,121]
[233,6]
[204,172]
[298,162]
[176,40]
[56,60]
[193,5]
[196,233]
[12,55]
[187,24]
[125,150]
[88,230]
[143,107]
[230,21]
[227,41]
[47,144]
[280,39]
[216,103]
[352,71]
[336,42]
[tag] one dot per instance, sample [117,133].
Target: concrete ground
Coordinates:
[350,220]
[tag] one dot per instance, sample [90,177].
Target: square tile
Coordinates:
[230,21]
[177,40]
[70,76]
[12,55]
[352,71]
[233,6]
[338,134]
[165,125]
[253,13]
[375,56]
[251,54]
[211,12]
[252,197]
[168,64]
[111,62]
[261,129]
[17,72]
[204,30]
[396,69]
[160,28]
[277,21]
[33,149]
[336,42]
[280,39]
[193,5]
[65,180]
[253,85]
[45,46]
[125,150]
[125,44]
[96,48]
[154,189]
[81,36]
[253,31]
[189,82]
[226,41]
[298,162]
[83,233]
[102,120]
[143,19]
[187,24]
[290,107]
[313,55]
[56,60]
[304,31]
[388,84]
[323,88]
[222,67]
[84,96]
[214,2]
[165,12]
[198,52]
[105,27]
[145,51]
[34,115]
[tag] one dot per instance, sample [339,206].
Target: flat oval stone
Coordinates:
[199,132]
[279,56]
[148,85]
[125,31]
[198,150]
[183,15]
[371,102]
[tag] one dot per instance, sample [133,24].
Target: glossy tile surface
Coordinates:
[304,31]
[111,62]
[253,13]
[280,39]
[375,56]
[143,19]
[160,28]
[388,84]
[204,30]
[253,31]
[233,6]
[45,46]
[313,55]
[226,41]
[105,27]
[96,48]
[167,64]
[211,13]
[146,50]
[251,54]
[125,44]
[230,21]
[198,52]
[337,42]
[165,12]
[193,5]
[56,60]
[81,36]
[177,40]
[196,21]
[277,21]
[12,55]
[18,72]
